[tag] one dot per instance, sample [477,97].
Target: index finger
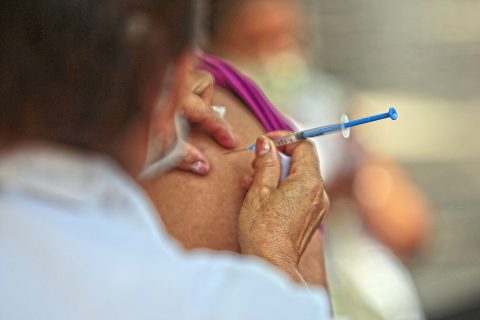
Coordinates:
[197,111]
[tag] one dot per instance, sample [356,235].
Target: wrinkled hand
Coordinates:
[196,106]
[277,221]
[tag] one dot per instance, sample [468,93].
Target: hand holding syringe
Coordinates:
[343,126]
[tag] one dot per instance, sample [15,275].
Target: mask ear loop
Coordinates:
[153,165]
[173,157]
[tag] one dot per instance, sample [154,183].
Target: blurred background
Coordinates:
[318,58]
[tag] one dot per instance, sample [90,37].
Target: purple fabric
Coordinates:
[233,81]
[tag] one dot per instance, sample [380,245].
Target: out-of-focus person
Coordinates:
[89,96]
[381,215]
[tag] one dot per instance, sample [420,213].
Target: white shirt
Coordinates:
[80,240]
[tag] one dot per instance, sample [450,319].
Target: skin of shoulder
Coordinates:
[202,212]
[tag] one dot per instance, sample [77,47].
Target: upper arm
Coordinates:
[202,211]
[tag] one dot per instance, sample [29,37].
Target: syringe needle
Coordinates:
[235,151]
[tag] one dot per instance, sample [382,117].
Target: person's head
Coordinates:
[89,73]
[255,28]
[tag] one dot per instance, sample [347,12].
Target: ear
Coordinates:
[162,134]
[156,128]
[169,100]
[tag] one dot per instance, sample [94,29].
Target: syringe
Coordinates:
[343,126]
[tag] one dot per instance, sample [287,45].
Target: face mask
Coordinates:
[158,163]
[164,153]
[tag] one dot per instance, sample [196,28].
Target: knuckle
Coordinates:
[265,191]
[187,100]
[250,207]
[309,144]
[268,164]
[205,76]
[264,162]
[310,148]
[193,104]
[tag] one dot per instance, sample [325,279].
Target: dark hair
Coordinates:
[73,71]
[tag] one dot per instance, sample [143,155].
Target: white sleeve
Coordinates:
[68,267]
[233,287]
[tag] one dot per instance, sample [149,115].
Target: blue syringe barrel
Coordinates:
[320,131]
[336,127]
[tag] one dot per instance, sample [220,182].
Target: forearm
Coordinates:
[309,270]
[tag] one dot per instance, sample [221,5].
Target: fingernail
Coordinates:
[263,147]
[199,167]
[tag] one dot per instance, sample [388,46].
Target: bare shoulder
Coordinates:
[202,211]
